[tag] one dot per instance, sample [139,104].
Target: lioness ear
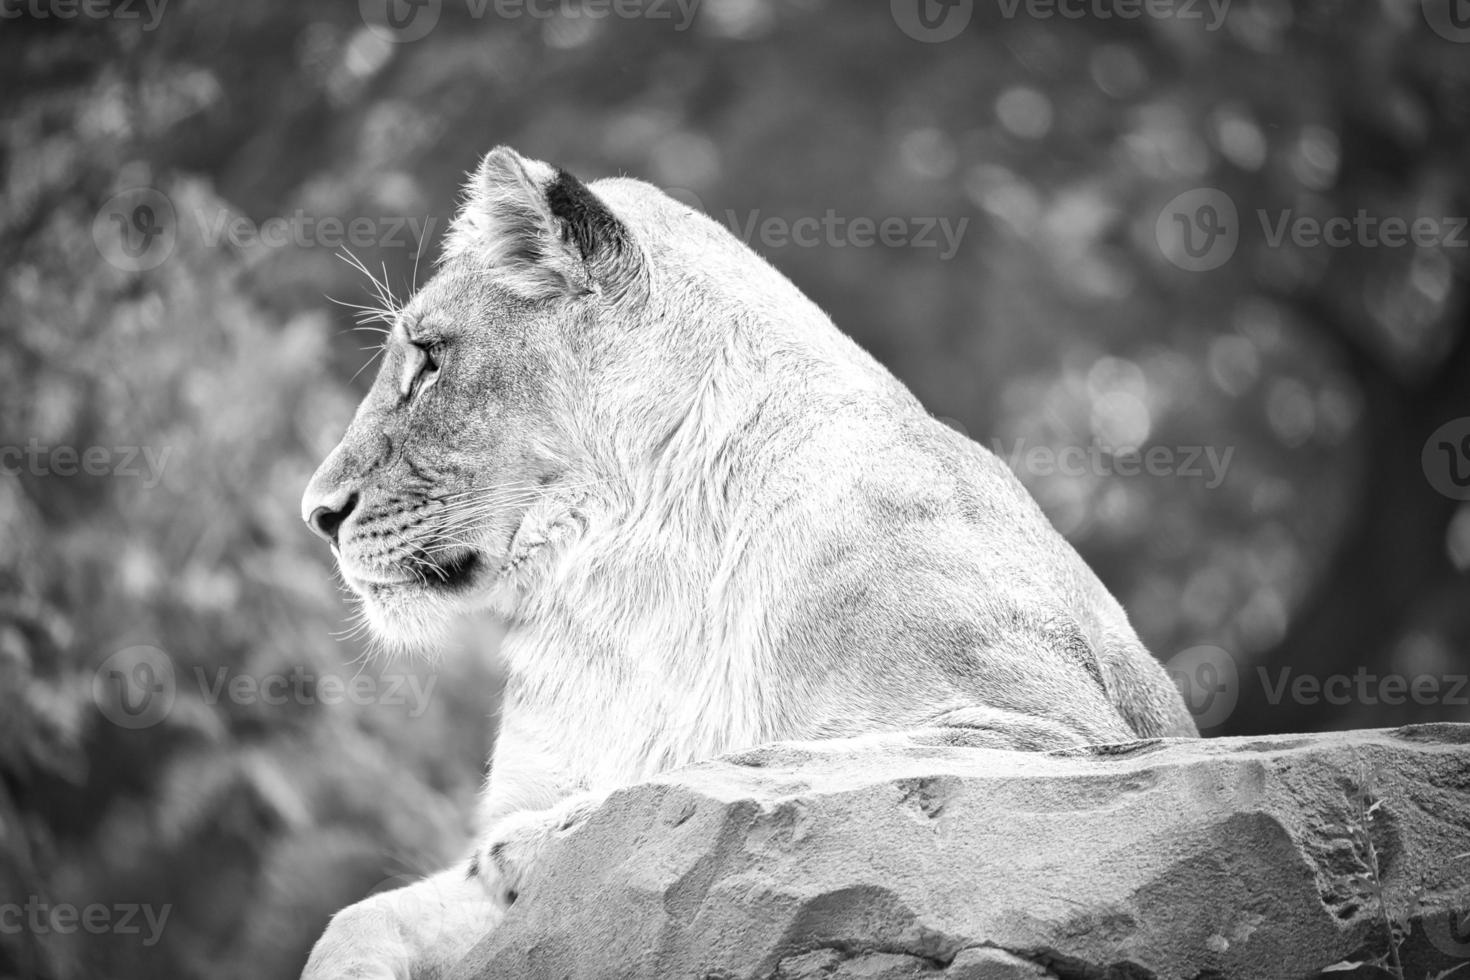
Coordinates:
[544,228]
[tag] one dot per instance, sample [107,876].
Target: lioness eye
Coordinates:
[431,356]
[424,367]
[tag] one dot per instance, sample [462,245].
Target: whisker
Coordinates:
[367,365]
[418,254]
[482,504]
[448,545]
[392,308]
[366,315]
[359,626]
[526,487]
[421,561]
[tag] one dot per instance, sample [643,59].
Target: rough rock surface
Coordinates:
[1216,858]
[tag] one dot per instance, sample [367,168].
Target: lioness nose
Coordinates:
[326,519]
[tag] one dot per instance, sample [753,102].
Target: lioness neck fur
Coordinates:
[726,524]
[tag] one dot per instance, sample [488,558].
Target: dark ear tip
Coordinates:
[586,220]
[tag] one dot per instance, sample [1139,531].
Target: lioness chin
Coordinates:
[709,521]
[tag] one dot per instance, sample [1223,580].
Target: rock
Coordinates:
[1211,858]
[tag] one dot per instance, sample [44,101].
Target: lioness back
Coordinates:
[916,574]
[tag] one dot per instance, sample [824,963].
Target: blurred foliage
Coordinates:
[1059,322]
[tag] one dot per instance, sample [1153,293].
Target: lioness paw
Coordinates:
[506,857]
[418,931]
[361,943]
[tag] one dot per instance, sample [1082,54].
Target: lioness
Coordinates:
[708,519]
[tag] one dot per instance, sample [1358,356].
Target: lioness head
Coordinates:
[533,367]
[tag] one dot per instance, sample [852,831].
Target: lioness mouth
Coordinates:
[453,570]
